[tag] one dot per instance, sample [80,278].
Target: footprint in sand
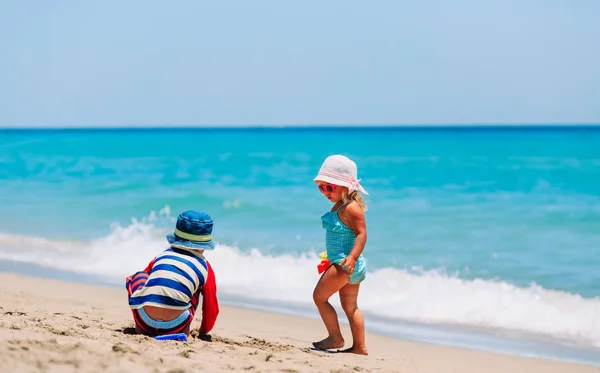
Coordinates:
[73,362]
[186,354]
[123,348]
[15,313]
[255,342]
[56,331]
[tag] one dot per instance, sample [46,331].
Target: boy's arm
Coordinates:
[210,303]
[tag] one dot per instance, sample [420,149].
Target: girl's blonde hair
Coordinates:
[354,196]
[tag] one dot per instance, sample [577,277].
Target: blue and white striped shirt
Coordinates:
[176,276]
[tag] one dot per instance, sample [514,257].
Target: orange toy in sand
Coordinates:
[322,267]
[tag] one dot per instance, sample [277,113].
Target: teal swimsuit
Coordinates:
[339,241]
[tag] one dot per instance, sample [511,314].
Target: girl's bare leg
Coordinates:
[348,299]
[331,281]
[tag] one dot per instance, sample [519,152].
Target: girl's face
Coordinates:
[331,191]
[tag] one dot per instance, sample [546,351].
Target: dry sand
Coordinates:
[54,326]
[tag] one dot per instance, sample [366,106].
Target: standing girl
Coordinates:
[345,238]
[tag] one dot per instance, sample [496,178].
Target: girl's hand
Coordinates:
[348,264]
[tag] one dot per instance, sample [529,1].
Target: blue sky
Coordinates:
[143,63]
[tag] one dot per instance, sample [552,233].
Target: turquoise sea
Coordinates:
[480,237]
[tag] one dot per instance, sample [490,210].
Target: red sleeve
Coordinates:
[210,304]
[149,267]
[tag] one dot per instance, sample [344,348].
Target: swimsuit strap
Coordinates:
[342,205]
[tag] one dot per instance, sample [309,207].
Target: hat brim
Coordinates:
[331,180]
[192,245]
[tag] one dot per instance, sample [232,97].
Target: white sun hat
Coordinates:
[340,170]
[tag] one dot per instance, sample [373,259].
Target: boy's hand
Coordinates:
[202,335]
[205,337]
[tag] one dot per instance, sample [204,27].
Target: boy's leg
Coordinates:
[330,282]
[348,299]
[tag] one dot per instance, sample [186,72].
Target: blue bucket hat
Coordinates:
[193,231]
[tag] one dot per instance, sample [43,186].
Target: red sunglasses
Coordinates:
[327,188]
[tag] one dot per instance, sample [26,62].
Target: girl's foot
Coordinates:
[355,350]
[329,343]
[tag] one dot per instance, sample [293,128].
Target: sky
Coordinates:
[157,63]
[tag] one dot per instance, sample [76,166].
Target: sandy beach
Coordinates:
[55,326]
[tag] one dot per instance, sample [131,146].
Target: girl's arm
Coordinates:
[355,216]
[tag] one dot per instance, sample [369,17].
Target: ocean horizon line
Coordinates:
[303,127]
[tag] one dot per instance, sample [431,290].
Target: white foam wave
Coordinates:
[389,293]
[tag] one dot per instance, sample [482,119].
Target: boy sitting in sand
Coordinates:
[164,296]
